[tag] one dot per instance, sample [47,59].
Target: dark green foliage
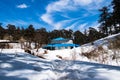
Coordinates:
[41,37]
[94,34]
[61,33]
[116,15]
[18,34]
[104,19]
[110,19]
[29,33]
[79,38]
[2,31]
[11,29]
[116,11]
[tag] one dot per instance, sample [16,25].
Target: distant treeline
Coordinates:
[42,36]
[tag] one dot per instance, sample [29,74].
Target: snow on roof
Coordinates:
[59,40]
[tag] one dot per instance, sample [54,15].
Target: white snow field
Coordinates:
[24,66]
[66,64]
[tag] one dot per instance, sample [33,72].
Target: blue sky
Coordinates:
[52,14]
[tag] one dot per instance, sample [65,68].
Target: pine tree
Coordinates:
[116,15]
[29,35]
[79,37]
[104,19]
[2,31]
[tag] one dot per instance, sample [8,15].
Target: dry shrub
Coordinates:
[98,54]
[94,53]
[115,43]
[59,56]
[91,55]
[27,50]
[40,55]
[116,56]
[45,52]
[63,58]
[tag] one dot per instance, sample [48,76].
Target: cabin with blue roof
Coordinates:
[60,43]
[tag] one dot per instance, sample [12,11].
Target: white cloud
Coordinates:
[72,26]
[56,25]
[82,27]
[16,22]
[86,26]
[69,5]
[22,6]
[60,5]
[47,18]
[96,25]
[82,2]
[63,5]
[35,24]
[61,24]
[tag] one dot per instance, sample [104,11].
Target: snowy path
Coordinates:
[28,67]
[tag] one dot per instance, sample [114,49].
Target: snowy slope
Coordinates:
[24,66]
[105,55]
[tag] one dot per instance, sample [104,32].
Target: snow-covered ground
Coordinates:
[66,64]
[24,66]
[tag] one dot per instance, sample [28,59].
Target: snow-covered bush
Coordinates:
[114,45]
[99,54]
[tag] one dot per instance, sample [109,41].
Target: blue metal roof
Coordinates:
[62,45]
[58,43]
